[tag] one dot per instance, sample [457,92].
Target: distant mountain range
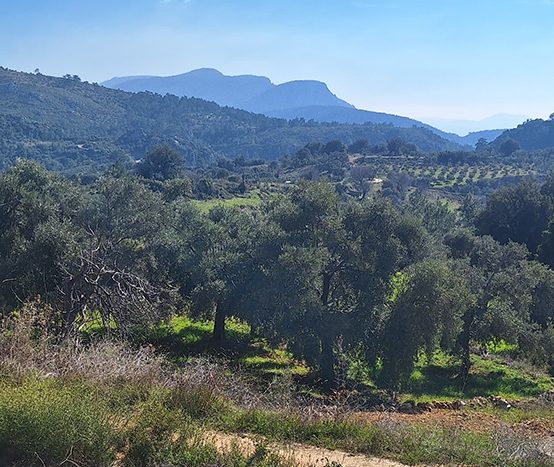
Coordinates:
[463,127]
[310,100]
[78,127]
[247,92]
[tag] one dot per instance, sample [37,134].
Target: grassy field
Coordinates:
[181,338]
[490,376]
[78,422]
[251,199]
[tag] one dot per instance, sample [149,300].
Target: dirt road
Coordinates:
[299,454]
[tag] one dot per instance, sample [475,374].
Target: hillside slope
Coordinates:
[532,135]
[69,125]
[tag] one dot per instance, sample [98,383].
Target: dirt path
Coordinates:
[300,454]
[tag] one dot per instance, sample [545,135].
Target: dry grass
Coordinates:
[28,345]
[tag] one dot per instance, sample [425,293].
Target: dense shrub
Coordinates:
[42,423]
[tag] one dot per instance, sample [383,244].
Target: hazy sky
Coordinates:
[429,59]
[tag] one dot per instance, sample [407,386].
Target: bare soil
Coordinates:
[466,420]
[299,454]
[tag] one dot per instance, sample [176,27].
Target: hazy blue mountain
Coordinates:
[310,100]
[205,83]
[464,127]
[295,95]
[247,92]
[488,135]
[117,81]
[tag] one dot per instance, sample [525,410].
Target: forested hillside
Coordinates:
[73,126]
[531,136]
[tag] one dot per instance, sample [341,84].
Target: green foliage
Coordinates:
[508,147]
[531,135]
[54,422]
[324,278]
[161,163]
[519,214]
[546,248]
[80,248]
[426,311]
[437,217]
[37,208]
[42,423]
[329,266]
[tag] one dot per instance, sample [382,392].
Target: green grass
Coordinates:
[410,444]
[251,199]
[51,423]
[438,380]
[269,361]
[42,422]
[54,420]
[182,337]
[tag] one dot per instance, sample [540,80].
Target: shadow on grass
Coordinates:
[488,377]
[181,338]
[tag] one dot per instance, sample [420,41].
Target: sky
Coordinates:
[440,61]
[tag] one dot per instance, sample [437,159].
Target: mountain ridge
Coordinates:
[307,99]
[247,92]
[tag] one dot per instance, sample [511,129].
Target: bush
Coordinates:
[44,424]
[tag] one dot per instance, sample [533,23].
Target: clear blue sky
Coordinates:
[462,59]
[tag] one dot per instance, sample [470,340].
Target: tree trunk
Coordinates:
[219,325]
[72,307]
[327,362]
[464,343]
[327,358]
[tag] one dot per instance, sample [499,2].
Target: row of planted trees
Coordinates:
[308,269]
